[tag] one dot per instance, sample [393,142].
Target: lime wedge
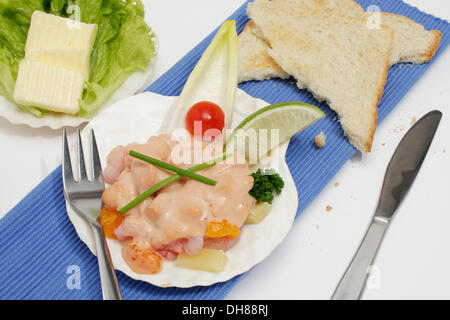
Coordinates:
[269,127]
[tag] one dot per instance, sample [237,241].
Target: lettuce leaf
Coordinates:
[124,44]
[214,78]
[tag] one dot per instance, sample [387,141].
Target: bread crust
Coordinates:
[435,46]
[431,50]
[368,146]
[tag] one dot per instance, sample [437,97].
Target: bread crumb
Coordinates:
[320,139]
[444,151]
[413,120]
[336,184]
[329,208]
[383,144]
[397,129]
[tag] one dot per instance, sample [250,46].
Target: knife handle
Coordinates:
[352,282]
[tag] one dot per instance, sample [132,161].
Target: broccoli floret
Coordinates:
[266,183]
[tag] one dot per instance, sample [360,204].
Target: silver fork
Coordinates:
[85,198]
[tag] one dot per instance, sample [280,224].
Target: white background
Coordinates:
[414,260]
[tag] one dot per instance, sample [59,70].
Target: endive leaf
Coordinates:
[214,79]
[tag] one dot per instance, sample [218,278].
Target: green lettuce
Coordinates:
[124,44]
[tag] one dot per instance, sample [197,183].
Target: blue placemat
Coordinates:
[41,257]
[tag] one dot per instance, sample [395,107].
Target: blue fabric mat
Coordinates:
[38,244]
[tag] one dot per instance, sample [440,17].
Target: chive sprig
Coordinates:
[168,166]
[147,193]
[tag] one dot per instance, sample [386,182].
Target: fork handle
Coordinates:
[108,279]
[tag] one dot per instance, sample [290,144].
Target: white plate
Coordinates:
[137,82]
[136,119]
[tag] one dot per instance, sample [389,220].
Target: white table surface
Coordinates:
[414,260]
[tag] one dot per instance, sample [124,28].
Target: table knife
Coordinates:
[400,175]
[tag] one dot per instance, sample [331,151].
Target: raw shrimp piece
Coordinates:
[161,175]
[175,215]
[144,177]
[158,206]
[188,152]
[175,246]
[191,246]
[167,254]
[169,139]
[160,147]
[229,198]
[128,160]
[110,174]
[155,147]
[120,192]
[116,164]
[133,226]
[141,258]
[121,233]
[112,196]
[220,243]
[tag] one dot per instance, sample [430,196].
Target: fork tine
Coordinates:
[81,164]
[96,164]
[66,164]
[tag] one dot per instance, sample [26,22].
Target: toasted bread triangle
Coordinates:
[336,57]
[412,43]
[254,60]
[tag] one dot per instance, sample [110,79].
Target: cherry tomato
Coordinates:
[209,114]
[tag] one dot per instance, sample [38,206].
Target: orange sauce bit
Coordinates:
[110,220]
[219,229]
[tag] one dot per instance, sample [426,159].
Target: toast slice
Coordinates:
[336,57]
[254,61]
[346,7]
[412,43]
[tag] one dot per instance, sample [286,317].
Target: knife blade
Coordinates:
[400,175]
